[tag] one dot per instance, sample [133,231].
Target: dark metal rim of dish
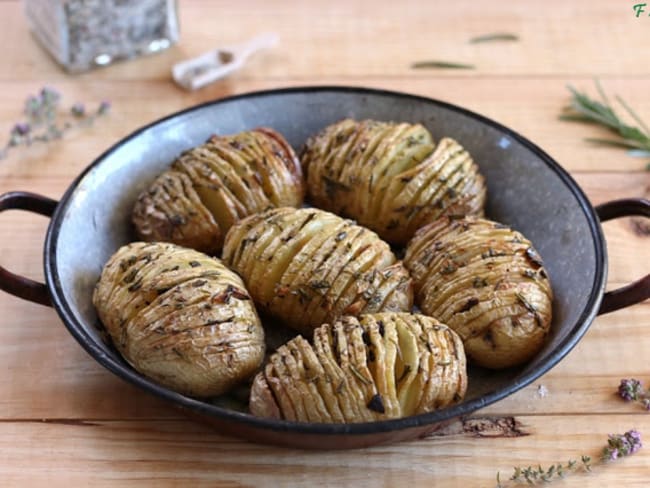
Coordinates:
[577,329]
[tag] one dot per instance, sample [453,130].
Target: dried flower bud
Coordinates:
[78,109]
[630,389]
[32,107]
[622,445]
[20,129]
[49,95]
[104,107]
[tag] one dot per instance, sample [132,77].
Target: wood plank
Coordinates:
[380,39]
[177,453]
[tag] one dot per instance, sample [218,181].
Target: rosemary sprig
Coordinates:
[582,108]
[441,65]
[496,36]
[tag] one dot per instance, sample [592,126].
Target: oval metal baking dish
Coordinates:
[527,189]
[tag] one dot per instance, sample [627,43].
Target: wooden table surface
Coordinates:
[65,421]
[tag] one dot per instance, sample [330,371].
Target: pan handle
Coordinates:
[19,285]
[639,290]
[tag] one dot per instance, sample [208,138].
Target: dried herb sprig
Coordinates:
[44,121]
[496,36]
[582,108]
[618,445]
[622,445]
[631,390]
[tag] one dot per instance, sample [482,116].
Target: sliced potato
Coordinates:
[211,187]
[180,317]
[487,283]
[376,367]
[390,177]
[312,267]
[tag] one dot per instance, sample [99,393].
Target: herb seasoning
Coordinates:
[82,34]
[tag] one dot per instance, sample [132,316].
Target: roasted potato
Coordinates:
[486,282]
[212,186]
[180,317]
[381,366]
[390,177]
[307,267]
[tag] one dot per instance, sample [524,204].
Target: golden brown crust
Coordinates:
[376,367]
[214,185]
[308,266]
[180,317]
[171,211]
[487,283]
[391,177]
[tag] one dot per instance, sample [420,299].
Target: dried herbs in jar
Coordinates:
[82,34]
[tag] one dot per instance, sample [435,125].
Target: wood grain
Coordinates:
[178,453]
[66,421]
[377,40]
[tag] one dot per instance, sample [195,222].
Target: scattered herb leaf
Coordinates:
[496,36]
[441,65]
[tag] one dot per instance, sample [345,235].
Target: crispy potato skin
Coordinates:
[171,211]
[376,367]
[391,177]
[487,283]
[212,186]
[180,317]
[307,266]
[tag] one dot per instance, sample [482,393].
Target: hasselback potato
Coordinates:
[391,177]
[381,366]
[212,186]
[486,282]
[180,317]
[307,267]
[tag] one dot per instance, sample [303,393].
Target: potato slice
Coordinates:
[171,210]
[391,177]
[487,283]
[379,366]
[180,317]
[212,186]
[321,282]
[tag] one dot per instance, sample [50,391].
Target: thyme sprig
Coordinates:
[582,108]
[45,123]
[618,445]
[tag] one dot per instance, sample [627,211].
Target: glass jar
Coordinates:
[83,34]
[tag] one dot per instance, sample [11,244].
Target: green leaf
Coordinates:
[611,142]
[584,109]
[634,115]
